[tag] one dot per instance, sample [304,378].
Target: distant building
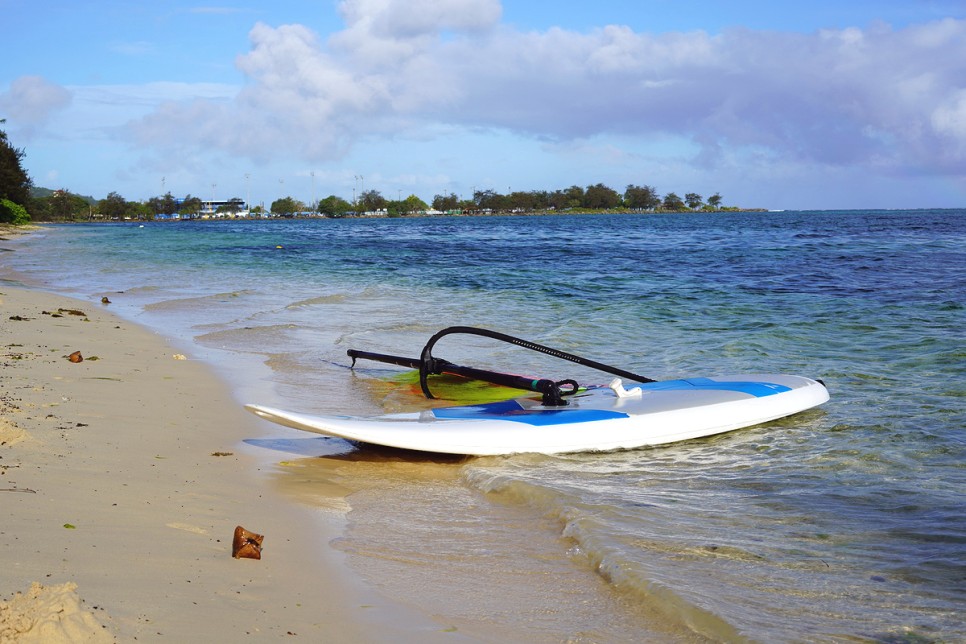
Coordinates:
[229,208]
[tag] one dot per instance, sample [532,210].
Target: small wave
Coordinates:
[335,298]
[252,339]
[142,290]
[629,577]
[192,303]
[595,549]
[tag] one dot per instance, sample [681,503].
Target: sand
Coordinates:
[121,484]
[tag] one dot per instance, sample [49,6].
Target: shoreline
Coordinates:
[123,474]
[323,588]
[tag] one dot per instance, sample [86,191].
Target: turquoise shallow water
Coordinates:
[843,523]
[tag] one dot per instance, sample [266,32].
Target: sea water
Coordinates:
[843,523]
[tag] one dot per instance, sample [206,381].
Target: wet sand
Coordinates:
[121,485]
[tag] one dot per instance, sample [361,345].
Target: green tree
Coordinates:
[67,206]
[673,203]
[190,206]
[13,213]
[520,201]
[333,206]
[234,206]
[574,197]
[694,200]
[558,200]
[14,183]
[492,200]
[140,211]
[166,205]
[714,201]
[541,199]
[485,199]
[286,206]
[641,197]
[39,209]
[445,203]
[371,201]
[113,206]
[600,197]
[413,204]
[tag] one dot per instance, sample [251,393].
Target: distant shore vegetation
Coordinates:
[64,206]
[21,202]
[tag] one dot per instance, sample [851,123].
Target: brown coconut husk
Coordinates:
[246,545]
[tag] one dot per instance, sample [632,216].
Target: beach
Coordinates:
[120,490]
[121,486]
[124,475]
[126,464]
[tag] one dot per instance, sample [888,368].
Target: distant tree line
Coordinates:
[595,197]
[20,201]
[63,205]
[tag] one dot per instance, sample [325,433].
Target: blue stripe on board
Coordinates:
[512,410]
[756,389]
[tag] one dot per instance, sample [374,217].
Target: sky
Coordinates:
[823,104]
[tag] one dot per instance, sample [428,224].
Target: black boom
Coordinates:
[553,392]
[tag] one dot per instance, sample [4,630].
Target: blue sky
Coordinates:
[819,104]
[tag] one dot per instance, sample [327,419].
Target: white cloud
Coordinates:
[97,110]
[892,100]
[950,117]
[30,101]
[949,120]
[394,19]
